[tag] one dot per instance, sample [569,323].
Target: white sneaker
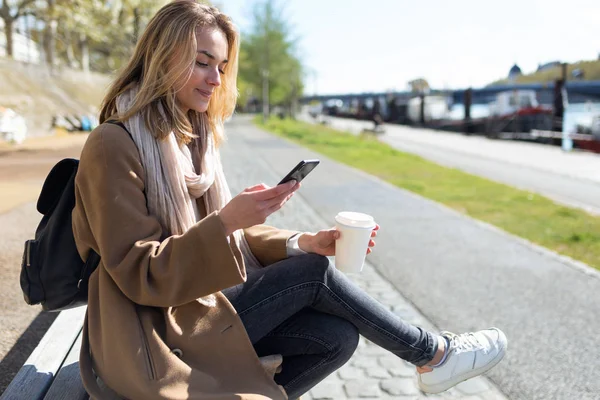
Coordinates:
[469,354]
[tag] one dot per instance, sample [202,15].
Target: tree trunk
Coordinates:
[85,52]
[50,40]
[50,35]
[265,95]
[137,20]
[8,31]
[70,52]
[121,17]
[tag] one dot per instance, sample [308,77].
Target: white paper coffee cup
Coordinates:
[351,248]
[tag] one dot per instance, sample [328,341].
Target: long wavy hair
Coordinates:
[165,53]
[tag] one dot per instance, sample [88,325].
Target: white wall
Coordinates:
[24,49]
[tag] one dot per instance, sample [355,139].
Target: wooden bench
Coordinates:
[52,371]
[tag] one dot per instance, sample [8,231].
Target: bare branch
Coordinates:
[22,8]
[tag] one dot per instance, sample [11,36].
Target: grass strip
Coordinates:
[566,230]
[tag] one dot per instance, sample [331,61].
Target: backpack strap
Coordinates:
[122,125]
[90,266]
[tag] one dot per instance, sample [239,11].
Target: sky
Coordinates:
[352,46]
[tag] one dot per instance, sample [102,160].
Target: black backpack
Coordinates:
[52,273]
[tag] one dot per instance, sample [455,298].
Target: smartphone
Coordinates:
[300,171]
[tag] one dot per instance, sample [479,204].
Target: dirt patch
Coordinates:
[15,194]
[44,143]
[23,168]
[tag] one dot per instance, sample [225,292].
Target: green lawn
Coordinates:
[566,230]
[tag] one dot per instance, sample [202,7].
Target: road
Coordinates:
[572,179]
[465,275]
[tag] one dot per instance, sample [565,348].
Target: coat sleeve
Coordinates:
[268,244]
[111,208]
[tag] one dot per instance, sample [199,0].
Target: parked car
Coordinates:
[13,128]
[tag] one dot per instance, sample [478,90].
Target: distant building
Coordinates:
[548,65]
[514,72]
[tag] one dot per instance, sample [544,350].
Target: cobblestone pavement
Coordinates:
[372,372]
[375,373]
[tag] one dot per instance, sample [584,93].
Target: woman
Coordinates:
[194,298]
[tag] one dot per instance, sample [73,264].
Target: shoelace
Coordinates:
[464,342]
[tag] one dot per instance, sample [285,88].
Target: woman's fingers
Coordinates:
[374,232]
[274,206]
[371,244]
[271,200]
[279,200]
[276,192]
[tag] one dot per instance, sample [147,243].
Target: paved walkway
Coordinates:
[461,273]
[372,372]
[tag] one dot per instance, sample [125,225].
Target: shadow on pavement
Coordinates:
[18,354]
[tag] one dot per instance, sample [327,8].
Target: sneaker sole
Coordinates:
[442,387]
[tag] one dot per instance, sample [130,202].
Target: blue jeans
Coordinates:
[311,313]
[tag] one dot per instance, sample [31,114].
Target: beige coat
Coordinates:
[142,298]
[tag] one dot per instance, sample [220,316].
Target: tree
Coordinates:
[67,26]
[269,67]
[419,85]
[11,11]
[82,33]
[79,33]
[83,21]
[114,46]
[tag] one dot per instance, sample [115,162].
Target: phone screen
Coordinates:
[300,171]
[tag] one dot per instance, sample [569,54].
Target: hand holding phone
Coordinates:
[300,171]
[254,205]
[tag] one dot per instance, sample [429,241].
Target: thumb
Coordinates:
[329,235]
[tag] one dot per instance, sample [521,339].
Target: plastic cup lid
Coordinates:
[358,220]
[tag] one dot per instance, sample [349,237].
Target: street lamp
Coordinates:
[265,96]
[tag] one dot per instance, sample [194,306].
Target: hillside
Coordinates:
[38,95]
[591,71]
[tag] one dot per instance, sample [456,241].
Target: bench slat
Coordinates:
[35,377]
[67,383]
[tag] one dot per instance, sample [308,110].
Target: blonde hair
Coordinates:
[171,35]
